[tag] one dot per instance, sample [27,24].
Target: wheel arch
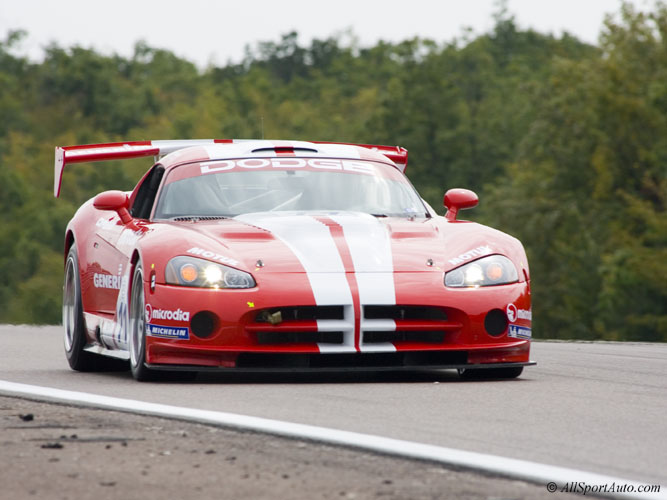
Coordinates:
[136,257]
[134,260]
[69,241]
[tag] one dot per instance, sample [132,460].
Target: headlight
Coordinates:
[491,270]
[189,271]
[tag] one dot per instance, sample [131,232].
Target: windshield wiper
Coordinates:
[197,218]
[403,215]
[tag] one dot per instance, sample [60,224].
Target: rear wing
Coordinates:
[137,149]
[397,154]
[118,151]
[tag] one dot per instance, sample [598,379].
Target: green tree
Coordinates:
[566,143]
[592,179]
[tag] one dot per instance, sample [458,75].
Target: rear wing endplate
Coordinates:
[137,149]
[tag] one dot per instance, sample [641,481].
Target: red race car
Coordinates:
[286,255]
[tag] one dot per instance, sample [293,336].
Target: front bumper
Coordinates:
[260,329]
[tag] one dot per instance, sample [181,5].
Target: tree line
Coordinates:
[565,142]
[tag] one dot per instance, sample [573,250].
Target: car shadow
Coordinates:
[342,377]
[424,376]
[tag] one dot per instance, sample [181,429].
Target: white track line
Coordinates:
[521,469]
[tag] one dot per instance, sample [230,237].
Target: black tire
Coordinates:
[75,327]
[137,329]
[137,337]
[490,373]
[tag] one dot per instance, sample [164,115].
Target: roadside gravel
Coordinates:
[54,451]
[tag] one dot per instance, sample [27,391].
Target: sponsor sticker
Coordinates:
[519,332]
[122,308]
[107,281]
[475,252]
[212,256]
[513,313]
[524,314]
[167,332]
[166,314]
[250,163]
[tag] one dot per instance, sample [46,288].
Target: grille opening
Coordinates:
[301,313]
[404,312]
[203,324]
[434,337]
[495,322]
[360,360]
[279,337]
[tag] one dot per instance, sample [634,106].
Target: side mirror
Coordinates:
[459,199]
[114,200]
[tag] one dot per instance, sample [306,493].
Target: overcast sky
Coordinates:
[215,32]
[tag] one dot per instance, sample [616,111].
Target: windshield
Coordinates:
[232,187]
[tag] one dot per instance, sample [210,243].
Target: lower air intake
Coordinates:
[415,359]
[280,337]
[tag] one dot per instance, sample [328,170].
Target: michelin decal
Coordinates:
[519,332]
[167,332]
[163,331]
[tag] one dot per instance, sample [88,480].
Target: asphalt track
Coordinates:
[596,407]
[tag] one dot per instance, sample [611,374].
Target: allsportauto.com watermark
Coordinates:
[585,488]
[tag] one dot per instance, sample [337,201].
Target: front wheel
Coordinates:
[137,337]
[137,329]
[490,373]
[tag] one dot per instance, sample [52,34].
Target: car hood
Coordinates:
[341,241]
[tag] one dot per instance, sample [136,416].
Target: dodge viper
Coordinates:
[265,255]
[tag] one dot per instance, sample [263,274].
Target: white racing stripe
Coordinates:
[167,147]
[370,246]
[312,243]
[521,469]
[235,149]
[245,148]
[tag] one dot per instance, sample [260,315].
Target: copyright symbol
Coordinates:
[551,487]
